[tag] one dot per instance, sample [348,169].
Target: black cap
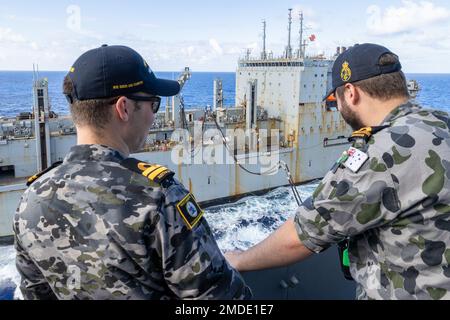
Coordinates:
[358,63]
[111,71]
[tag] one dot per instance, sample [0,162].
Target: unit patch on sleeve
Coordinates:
[190,211]
[356,159]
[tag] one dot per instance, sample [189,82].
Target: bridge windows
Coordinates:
[271,64]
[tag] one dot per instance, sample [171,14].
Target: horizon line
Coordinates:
[5,70]
[197,71]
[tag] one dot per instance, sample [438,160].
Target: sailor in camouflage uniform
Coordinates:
[102,225]
[386,201]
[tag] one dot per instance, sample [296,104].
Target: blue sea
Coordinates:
[235,226]
[16,90]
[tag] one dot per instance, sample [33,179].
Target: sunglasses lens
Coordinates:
[155,105]
[155,101]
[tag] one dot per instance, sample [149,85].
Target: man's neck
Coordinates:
[379,110]
[88,136]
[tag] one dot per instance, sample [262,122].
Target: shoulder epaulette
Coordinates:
[38,175]
[366,132]
[153,172]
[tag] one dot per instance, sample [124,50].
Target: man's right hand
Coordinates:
[281,248]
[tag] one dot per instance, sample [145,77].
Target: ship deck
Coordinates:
[8,181]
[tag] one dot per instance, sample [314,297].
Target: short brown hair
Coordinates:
[385,86]
[94,112]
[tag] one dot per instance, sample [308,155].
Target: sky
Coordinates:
[211,35]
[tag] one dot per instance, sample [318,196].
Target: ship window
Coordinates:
[40,101]
[7,172]
[304,86]
[315,75]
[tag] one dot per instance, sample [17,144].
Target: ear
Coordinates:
[123,108]
[352,94]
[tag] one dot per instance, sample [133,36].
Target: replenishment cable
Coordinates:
[280,165]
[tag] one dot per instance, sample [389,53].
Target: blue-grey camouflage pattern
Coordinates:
[92,229]
[395,210]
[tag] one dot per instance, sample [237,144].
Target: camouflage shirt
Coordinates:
[395,210]
[93,229]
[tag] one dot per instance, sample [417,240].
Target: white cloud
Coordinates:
[233,50]
[90,34]
[57,54]
[310,23]
[307,11]
[188,51]
[215,46]
[409,17]
[253,46]
[8,35]
[34,45]
[15,18]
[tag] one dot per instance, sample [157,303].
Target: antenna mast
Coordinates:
[264,53]
[301,50]
[289,48]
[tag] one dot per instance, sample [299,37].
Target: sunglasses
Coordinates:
[156,101]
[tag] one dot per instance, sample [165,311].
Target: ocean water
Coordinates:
[16,90]
[238,225]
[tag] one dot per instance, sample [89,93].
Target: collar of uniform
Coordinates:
[94,152]
[400,111]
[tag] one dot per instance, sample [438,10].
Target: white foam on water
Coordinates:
[241,225]
[236,226]
[8,271]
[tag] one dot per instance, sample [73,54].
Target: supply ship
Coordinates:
[224,153]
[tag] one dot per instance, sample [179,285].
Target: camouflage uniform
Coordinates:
[93,229]
[395,210]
